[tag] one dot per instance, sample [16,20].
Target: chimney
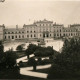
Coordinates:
[16,26]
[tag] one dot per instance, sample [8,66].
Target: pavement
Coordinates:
[27,70]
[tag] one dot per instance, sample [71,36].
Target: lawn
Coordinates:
[46,70]
[13,74]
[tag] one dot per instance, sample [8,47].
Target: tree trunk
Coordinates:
[27,56]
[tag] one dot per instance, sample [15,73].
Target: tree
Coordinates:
[33,63]
[44,52]
[1,47]
[10,59]
[66,64]
[19,48]
[2,55]
[31,49]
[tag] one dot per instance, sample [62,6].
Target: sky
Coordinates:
[20,12]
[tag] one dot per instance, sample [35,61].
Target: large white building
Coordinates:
[39,30]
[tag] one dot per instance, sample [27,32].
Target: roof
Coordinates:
[14,29]
[44,21]
[57,24]
[73,25]
[30,25]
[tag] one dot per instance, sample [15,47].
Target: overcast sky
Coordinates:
[21,12]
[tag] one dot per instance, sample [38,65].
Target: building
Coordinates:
[2,27]
[14,33]
[43,29]
[39,30]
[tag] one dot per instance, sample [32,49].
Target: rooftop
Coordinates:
[73,25]
[44,21]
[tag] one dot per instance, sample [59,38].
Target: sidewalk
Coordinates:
[25,71]
[23,59]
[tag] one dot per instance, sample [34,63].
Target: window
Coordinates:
[5,37]
[43,24]
[19,32]
[8,32]
[12,32]
[16,36]
[34,35]
[57,34]
[19,36]
[50,34]
[22,32]
[12,37]
[34,31]
[60,35]
[40,24]
[9,37]
[31,35]
[64,34]
[22,36]
[71,34]
[27,35]
[27,31]
[16,32]
[31,31]
[54,35]
[40,35]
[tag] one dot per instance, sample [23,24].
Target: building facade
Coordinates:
[2,27]
[39,30]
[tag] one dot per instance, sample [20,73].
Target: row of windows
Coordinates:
[31,35]
[13,32]
[31,31]
[57,35]
[70,34]
[45,25]
[70,30]
[57,30]
[66,34]
[12,37]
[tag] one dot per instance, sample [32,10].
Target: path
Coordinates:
[25,71]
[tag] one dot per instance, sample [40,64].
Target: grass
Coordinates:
[46,70]
[13,74]
[9,74]
[20,54]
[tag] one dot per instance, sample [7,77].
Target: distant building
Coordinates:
[14,33]
[2,27]
[40,30]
